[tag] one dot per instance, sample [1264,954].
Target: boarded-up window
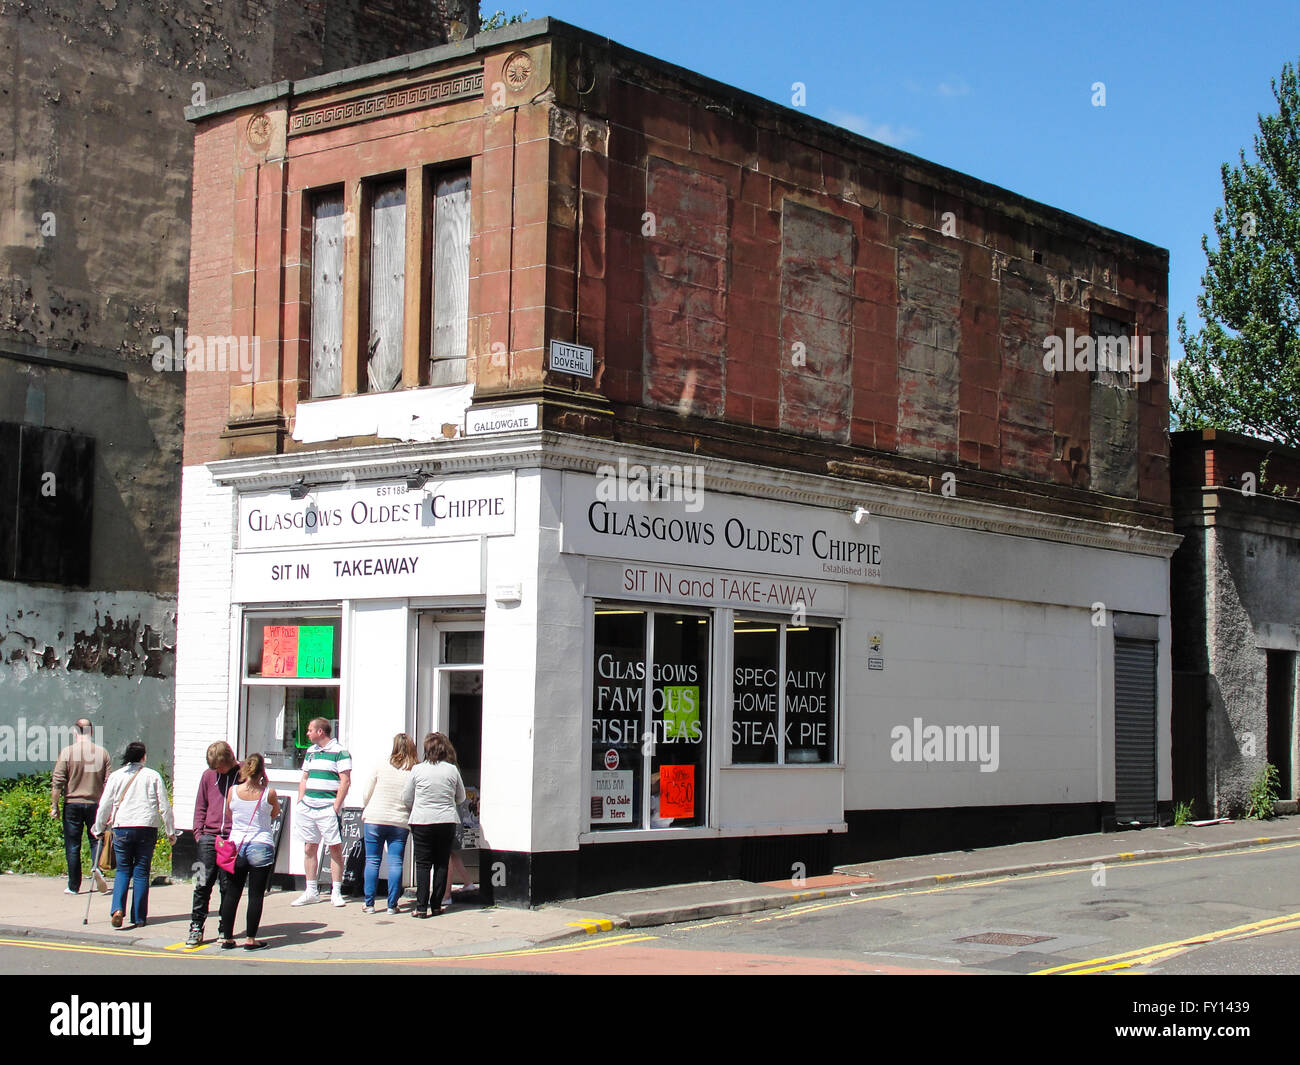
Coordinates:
[47,487]
[387,287]
[327,294]
[450,272]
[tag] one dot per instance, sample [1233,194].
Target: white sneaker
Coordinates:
[367,909]
[337,899]
[391,912]
[307,898]
[69,891]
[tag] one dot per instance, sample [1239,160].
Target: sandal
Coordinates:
[256,944]
[228,944]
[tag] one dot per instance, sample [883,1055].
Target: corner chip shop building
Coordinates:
[701,614]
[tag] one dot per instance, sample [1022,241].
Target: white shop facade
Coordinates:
[744,672]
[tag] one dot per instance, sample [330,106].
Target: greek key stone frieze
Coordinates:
[463,86]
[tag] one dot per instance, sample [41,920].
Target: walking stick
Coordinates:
[94,864]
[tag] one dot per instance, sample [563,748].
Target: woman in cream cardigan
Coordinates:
[135,806]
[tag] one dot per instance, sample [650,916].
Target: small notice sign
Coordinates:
[611,796]
[280,651]
[676,791]
[572,358]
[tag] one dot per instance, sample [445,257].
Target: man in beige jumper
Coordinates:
[79,777]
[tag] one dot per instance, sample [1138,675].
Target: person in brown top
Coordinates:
[79,777]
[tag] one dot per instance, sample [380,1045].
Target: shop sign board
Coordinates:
[718,588]
[478,505]
[379,572]
[721,531]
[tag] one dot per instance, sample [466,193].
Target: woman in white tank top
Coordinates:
[251,807]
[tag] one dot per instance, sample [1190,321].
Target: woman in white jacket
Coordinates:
[135,806]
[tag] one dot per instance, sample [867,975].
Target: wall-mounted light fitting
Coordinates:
[299,489]
[861,515]
[419,478]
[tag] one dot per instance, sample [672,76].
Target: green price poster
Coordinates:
[682,713]
[315,650]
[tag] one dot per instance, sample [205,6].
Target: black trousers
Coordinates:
[212,874]
[257,879]
[76,815]
[432,853]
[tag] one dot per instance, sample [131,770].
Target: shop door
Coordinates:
[449,700]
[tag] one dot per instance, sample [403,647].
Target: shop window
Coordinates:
[290,675]
[47,482]
[649,743]
[327,236]
[783,706]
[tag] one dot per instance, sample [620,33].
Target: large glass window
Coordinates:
[783,688]
[649,742]
[290,675]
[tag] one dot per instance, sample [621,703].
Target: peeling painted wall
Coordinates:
[109,656]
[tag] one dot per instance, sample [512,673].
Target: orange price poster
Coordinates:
[677,791]
[280,651]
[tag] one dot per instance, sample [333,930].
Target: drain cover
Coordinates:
[1004,939]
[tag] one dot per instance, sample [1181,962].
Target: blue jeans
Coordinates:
[395,837]
[133,848]
[75,815]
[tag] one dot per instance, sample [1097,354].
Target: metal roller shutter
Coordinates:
[1135,731]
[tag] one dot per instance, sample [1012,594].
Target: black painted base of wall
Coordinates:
[516,878]
[513,878]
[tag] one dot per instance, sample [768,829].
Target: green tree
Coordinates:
[1242,369]
[498,19]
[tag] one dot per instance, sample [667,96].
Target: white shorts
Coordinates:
[316,825]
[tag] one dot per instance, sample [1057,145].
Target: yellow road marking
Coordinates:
[601,925]
[556,948]
[1160,951]
[1017,877]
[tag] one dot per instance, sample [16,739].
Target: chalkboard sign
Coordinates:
[354,852]
[277,826]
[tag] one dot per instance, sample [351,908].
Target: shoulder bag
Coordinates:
[227,852]
[107,855]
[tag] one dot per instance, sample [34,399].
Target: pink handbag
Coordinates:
[227,852]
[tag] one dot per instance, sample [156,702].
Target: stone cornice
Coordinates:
[549,450]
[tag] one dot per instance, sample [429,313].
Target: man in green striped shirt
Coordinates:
[326,776]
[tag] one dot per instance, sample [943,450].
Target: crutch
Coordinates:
[94,864]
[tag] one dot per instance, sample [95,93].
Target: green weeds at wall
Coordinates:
[31,841]
[1263,793]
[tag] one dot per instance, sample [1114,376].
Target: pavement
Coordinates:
[37,907]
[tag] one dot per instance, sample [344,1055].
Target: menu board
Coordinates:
[298,651]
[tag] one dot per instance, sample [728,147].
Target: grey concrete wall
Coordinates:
[108,656]
[1254,575]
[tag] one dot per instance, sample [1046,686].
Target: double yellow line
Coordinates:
[1162,951]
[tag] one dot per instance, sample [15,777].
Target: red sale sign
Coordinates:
[280,651]
[677,791]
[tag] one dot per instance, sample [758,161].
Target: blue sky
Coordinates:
[1003,91]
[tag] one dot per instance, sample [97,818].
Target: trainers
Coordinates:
[367,909]
[196,935]
[391,912]
[307,898]
[337,899]
[69,891]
